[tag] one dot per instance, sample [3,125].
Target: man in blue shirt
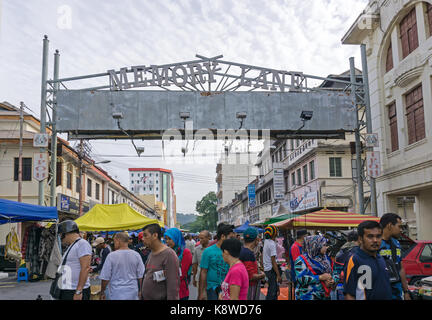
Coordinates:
[213,267]
[391,249]
[365,274]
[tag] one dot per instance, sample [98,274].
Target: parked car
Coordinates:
[6,265]
[416,259]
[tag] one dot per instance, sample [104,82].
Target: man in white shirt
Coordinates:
[204,237]
[190,243]
[74,282]
[271,268]
[123,270]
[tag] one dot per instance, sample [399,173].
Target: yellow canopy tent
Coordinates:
[113,217]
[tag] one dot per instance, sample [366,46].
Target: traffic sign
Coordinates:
[373,164]
[372,140]
[40,140]
[40,167]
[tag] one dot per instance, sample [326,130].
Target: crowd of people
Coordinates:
[163,264]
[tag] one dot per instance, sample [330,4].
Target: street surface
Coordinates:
[10,289]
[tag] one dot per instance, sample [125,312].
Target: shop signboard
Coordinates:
[278,183]
[251,195]
[69,204]
[304,202]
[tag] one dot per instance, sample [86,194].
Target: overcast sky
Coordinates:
[94,36]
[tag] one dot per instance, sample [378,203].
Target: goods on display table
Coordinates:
[38,242]
[423,291]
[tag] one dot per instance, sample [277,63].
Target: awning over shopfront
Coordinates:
[326,219]
[113,217]
[279,218]
[13,211]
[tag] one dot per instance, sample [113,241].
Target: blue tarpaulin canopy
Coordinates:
[246,225]
[13,211]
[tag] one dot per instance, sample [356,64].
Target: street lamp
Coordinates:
[103,162]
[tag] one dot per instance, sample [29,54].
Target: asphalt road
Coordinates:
[10,289]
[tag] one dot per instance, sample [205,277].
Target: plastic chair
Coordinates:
[22,274]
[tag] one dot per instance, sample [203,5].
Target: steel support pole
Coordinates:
[357,139]
[374,209]
[54,132]
[80,195]
[43,110]
[20,152]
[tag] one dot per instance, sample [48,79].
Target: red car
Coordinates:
[416,259]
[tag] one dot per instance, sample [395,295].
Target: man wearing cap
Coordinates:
[271,268]
[105,249]
[247,256]
[74,281]
[296,250]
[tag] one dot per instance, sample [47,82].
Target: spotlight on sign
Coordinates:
[306,115]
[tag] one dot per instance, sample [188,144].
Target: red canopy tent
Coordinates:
[325,219]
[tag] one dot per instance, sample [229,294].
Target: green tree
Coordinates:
[207,209]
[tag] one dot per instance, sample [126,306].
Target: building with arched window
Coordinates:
[398,39]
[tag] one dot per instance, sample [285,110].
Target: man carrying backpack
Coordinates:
[391,251]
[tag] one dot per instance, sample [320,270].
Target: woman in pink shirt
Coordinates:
[236,283]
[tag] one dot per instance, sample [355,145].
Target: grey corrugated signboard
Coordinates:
[148,114]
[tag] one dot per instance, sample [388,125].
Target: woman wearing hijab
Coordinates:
[175,240]
[314,270]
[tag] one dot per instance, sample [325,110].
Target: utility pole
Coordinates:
[54,133]
[357,139]
[43,106]
[20,152]
[80,156]
[373,197]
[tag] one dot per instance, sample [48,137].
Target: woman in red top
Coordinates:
[175,240]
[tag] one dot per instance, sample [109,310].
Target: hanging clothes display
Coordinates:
[12,248]
[55,260]
[38,250]
[32,250]
[46,245]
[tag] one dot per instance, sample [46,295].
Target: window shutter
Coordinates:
[429,15]
[408,33]
[393,127]
[59,173]
[389,61]
[415,115]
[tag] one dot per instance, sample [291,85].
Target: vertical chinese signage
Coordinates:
[40,168]
[278,184]
[373,164]
[251,195]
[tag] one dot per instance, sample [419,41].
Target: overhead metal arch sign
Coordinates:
[207,96]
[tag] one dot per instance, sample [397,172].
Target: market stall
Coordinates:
[325,219]
[37,241]
[246,225]
[13,212]
[114,217]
